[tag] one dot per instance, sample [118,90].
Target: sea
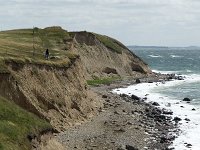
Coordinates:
[184,62]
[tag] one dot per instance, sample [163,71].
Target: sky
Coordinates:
[133,22]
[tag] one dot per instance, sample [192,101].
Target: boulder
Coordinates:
[177,119]
[135,97]
[137,81]
[189,145]
[104,96]
[186,99]
[123,95]
[186,119]
[155,104]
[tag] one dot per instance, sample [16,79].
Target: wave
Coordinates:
[166,72]
[155,56]
[190,131]
[176,56]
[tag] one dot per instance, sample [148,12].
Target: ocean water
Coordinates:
[171,94]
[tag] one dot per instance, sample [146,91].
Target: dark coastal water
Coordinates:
[171,94]
[184,62]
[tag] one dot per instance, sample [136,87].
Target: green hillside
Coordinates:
[16,124]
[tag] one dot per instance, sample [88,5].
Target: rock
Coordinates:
[137,81]
[177,119]
[123,95]
[104,96]
[135,97]
[145,98]
[186,119]
[129,147]
[189,145]
[180,78]
[155,104]
[182,106]
[186,99]
[193,109]
[167,138]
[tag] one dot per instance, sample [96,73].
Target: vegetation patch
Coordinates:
[99,81]
[110,43]
[16,124]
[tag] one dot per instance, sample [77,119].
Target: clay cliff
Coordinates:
[56,89]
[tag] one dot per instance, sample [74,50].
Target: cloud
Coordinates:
[145,22]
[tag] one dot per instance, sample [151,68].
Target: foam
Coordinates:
[190,131]
[165,72]
[155,56]
[176,56]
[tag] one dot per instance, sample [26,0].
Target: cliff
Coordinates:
[56,89]
[103,56]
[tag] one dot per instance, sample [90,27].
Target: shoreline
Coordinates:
[124,122]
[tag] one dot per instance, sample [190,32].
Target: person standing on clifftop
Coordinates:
[47,54]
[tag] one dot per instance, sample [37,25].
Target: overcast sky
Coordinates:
[134,22]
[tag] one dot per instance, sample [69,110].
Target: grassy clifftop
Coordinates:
[29,45]
[16,124]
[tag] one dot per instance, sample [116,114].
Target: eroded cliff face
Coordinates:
[59,95]
[101,60]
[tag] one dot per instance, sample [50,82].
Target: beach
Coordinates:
[124,122]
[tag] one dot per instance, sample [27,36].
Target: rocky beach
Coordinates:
[125,122]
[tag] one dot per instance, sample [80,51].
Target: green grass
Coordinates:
[110,43]
[29,45]
[16,124]
[100,81]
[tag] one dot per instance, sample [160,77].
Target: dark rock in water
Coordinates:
[180,78]
[186,119]
[186,99]
[145,98]
[104,96]
[182,106]
[150,82]
[128,147]
[189,145]
[167,138]
[193,109]
[135,97]
[137,81]
[177,119]
[155,104]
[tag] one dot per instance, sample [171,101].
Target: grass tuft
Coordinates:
[100,81]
